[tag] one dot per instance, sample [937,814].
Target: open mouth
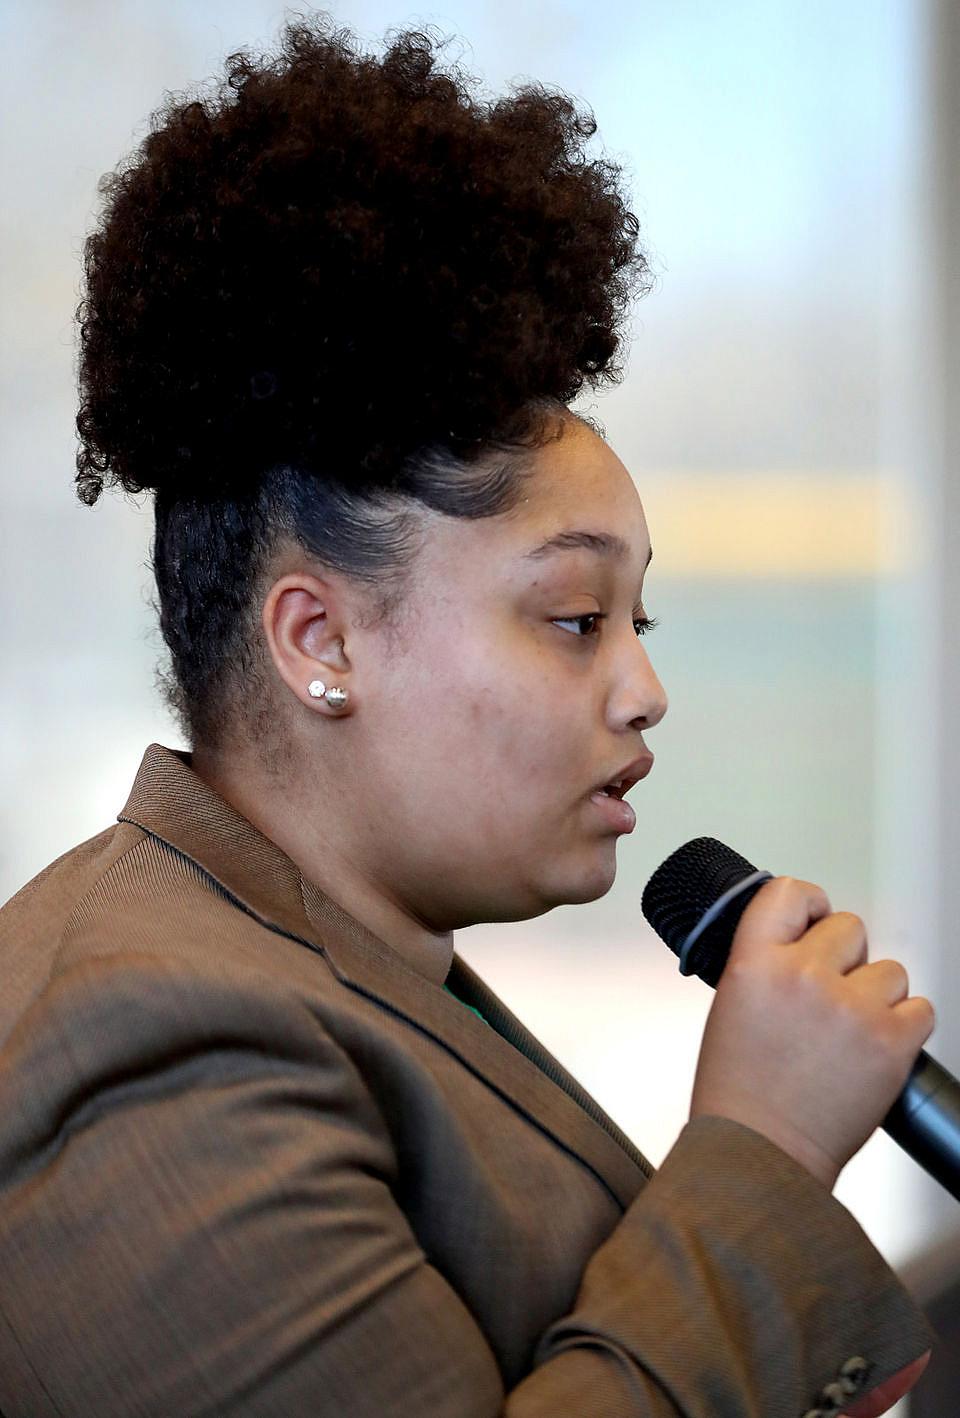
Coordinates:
[628,777]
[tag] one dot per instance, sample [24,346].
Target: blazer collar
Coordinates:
[173,803]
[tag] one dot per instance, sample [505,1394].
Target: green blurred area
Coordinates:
[769,740]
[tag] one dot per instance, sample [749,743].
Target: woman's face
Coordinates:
[515,687]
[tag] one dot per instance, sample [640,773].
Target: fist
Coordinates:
[806,1042]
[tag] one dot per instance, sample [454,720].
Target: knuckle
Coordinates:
[808,972]
[862,1030]
[907,1029]
[813,990]
[811,892]
[788,886]
[740,972]
[899,973]
[738,967]
[926,1014]
[774,892]
[884,1050]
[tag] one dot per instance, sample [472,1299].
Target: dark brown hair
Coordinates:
[334,290]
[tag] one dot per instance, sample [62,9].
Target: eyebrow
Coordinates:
[603,543]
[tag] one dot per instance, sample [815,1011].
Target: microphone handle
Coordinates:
[925,1118]
[925,1121]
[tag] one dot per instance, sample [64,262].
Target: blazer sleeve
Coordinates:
[198,1220]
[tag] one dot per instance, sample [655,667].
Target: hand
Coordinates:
[805,1042]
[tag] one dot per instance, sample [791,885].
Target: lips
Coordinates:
[620,783]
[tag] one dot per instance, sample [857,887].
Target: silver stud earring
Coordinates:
[335,696]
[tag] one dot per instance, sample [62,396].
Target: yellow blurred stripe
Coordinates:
[782,526]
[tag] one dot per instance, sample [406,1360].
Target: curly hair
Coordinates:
[333,289]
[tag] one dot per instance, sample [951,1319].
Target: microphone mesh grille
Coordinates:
[687,883]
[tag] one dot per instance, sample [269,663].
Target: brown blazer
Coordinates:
[253,1163]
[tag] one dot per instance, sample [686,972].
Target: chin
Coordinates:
[594,891]
[586,883]
[572,888]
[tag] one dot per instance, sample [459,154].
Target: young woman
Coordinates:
[267,1145]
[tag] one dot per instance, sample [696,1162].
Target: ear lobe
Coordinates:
[335,695]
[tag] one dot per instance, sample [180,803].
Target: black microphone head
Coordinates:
[684,888]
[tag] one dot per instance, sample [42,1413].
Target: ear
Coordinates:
[305,627]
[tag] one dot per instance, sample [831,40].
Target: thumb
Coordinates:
[780,912]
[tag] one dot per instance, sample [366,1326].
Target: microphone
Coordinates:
[694,900]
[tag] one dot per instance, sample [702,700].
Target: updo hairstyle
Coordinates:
[335,291]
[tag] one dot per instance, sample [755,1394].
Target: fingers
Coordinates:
[838,941]
[886,980]
[883,981]
[797,914]
[917,1014]
[781,911]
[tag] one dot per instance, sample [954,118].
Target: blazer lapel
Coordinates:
[170,801]
[472,989]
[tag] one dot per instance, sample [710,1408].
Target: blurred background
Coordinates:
[786,414]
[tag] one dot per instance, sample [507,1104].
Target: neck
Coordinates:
[322,861]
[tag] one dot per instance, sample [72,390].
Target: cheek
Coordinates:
[523,747]
[494,724]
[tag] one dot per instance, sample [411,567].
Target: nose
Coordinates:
[649,698]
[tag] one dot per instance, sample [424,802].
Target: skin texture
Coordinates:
[809,1043]
[454,788]
[460,771]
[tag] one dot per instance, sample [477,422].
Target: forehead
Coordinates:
[605,544]
[579,496]
[575,484]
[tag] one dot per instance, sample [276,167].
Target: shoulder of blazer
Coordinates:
[172,804]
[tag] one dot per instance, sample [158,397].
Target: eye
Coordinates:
[641,625]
